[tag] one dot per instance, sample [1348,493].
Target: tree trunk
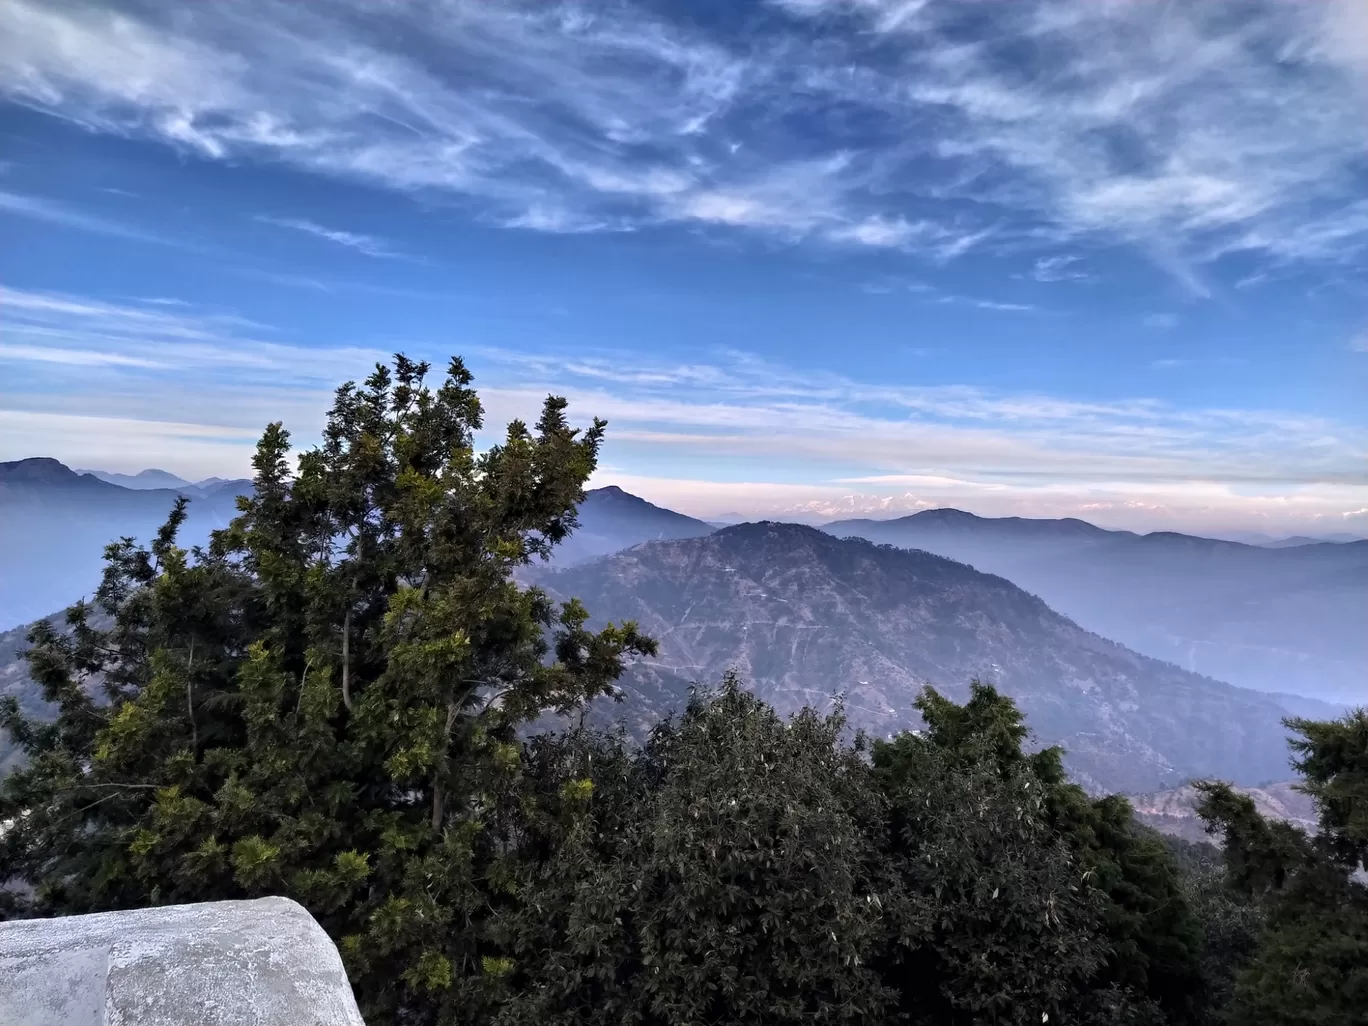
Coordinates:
[438,793]
[346,661]
[190,699]
[438,805]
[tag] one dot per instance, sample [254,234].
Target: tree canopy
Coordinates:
[324,702]
[1309,962]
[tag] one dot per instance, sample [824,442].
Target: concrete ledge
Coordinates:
[229,963]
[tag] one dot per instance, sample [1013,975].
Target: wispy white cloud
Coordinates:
[987,304]
[63,214]
[60,328]
[119,379]
[776,442]
[1188,131]
[367,244]
[543,217]
[73,357]
[930,294]
[196,386]
[1180,128]
[128,443]
[1061,268]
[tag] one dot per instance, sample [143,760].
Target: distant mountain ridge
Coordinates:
[802,614]
[1278,619]
[611,520]
[150,478]
[801,625]
[55,523]
[153,478]
[1270,541]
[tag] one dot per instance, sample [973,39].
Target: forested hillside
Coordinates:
[803,616]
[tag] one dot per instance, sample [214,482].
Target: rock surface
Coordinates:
[229,963]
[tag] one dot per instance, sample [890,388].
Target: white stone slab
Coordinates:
[229,963]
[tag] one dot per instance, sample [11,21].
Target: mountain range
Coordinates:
[803,615]
[611,520]
[1271,541]
[55,523]
[1288,619]
[163,480]
[870,609]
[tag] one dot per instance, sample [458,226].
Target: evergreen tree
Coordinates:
[323,704]
[1131,949]
[728,872]
[1332,758]
[997,923]
[1309,966]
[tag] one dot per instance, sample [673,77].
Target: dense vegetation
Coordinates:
[331,702]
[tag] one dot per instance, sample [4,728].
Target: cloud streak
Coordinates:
[107,383]
[1188,132]
[367,244]
[765,432]
[40,209]
[100,382]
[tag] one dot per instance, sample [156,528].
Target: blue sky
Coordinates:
[1101,258]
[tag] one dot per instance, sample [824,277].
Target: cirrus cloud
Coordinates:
[1188,132]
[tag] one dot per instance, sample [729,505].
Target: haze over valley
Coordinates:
[1111,642]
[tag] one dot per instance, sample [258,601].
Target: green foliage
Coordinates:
[1308,965]
[1109,891]
[1230,923]
[1332,758]
[997,922]
[725,872]
[321,705]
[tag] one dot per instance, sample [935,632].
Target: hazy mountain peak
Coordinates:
[159,475]
[39,470]
[616,495]
[55,523]
[144,480]
[1278,619]
[945,515]
[611,519]
[772,528]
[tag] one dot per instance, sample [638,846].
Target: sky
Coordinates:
[1094,258]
